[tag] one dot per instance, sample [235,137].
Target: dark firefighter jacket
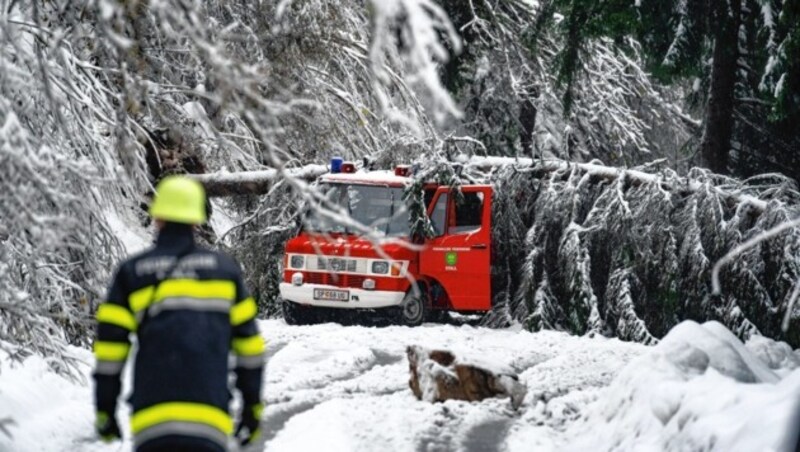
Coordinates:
[187,318]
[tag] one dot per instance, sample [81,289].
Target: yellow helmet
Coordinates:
[179,200]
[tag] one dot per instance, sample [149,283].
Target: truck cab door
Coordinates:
[459,256]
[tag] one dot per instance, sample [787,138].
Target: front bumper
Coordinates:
[359,298]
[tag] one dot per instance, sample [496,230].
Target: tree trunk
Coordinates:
[719,112]
[527,121]
[252,182]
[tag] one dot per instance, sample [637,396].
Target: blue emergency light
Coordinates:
[336,165]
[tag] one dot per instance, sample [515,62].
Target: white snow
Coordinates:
[483,68]
[368,177]
[336,388]
[134,238]
[532,5]
[223,218]
[779,86]
[350,385]
[309,172]
[197,113]
[699,389]
[49,412]
[778,356]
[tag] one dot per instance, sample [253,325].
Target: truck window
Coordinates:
[469,212]
[439,215]
[429,194]
[380,208]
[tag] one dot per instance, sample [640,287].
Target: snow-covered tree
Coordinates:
[728,57]
[55,176]
[629,253]
[101,98]
[516,101]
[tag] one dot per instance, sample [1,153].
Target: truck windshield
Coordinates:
[380,208]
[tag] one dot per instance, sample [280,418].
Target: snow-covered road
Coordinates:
[345,388]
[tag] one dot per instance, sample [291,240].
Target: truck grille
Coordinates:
[338,280]
[316,278]
[355,281]
[336,264]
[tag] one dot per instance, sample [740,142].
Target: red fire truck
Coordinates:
[332,264]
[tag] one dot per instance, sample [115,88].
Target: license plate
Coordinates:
[331,295]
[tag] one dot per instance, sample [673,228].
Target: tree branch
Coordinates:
[252,182]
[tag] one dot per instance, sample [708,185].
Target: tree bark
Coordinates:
[527,121]
[716,144]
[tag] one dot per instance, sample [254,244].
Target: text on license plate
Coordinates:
[332,295]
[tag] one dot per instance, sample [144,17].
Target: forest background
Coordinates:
[687,111]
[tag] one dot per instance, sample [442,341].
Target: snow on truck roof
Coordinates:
[367,178]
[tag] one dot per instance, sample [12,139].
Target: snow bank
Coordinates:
[700,388]
[777,355]
[49,412]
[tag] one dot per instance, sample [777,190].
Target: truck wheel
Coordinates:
[413,310]
[295,314]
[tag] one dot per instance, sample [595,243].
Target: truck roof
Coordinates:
[367,178]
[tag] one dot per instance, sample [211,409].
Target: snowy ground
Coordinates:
[336,388]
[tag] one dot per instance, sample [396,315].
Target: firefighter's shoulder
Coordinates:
[224,264]
[150,261]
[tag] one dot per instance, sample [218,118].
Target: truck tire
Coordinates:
[295,314]
[413,311]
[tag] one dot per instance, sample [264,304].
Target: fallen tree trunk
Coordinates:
[252,182]
[635,177]
[258,182]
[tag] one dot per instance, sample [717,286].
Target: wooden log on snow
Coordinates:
[436,376]
[252,182]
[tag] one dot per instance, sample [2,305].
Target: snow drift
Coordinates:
[700,389]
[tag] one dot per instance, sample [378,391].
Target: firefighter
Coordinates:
[188,308]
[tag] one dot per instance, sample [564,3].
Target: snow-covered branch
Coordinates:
[741,248]
[670,182]
[253,182]
[630,252]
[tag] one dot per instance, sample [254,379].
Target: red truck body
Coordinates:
[329,265]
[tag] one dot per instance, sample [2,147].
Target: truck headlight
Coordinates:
[297,261]
[380,267]
[368,284]
[297,279]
